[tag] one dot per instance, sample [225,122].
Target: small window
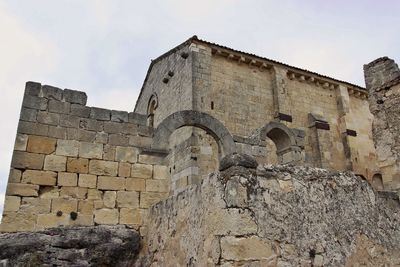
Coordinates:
[212,105]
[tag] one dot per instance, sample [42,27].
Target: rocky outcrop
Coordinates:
[71,246]
[276,216]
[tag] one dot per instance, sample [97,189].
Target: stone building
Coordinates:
[79,165]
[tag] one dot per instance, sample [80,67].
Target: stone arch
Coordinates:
[198,119]
[151,107]
[377,182]
[287,148]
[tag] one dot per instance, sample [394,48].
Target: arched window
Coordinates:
[152,106]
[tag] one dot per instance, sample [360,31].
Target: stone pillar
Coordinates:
[382,79]
[343,99]
[282,107]
[320,140]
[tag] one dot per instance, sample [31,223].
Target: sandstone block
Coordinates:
[21,142]
[140,141]
[106,216]
[109,153]
[57,132]
[86,207]
[77,165]
[147,199]
[11,203]
[83,220]
[67,179]
[48,118]
[35,205]
[94,194]
[49,192]
[87,180]
[126,154]
[135,184]
[91,150]
[118,140]
[64,205]
[34,102]
[55,163]
[15,222]
[45,221]
[25,160]
[59,107]
[26,127]
[98,204]
[73,192]
[157,185]
[101,138]
[75,97]
[14,176]
[124,169]
[101,167]
[40,144]
[69,121]
[142,171]
[248,248]
[151,159]
[130,216]
[86,136]
[28,114]
[127,199]
[51,92]
[67,148]
[160,172]
[230,222]
[119,116]
[80,110]
[100,114]
[25,190]
[111,183]
[39,177]
[109,198]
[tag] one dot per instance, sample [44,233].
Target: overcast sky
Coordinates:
[104,47]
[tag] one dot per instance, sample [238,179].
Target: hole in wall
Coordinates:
[212,105]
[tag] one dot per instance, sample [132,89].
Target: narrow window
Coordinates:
[212,105]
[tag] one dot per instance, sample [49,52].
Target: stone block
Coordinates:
[86,207]
[32,88]
[80,110]
[140,141]
[101,138]
[147,199]
[160,172]
[64,205]
[77,165]
[137,118]
[41,144]
[51,92]
[91,125]
[35,205]
[45,221]
[28,114]
[21,142]
[230,222]
[119,116]
[49,192]
[57,132]
[151,159]
[14,176]
[75,97]
[24,190]
[124,169]
[73,192]
[118,140]
[86,136]
[25,160]
[110,183]
[26,127]
[109,198]
[34,102]
[59,107]
[83,220]
[142,171]
[127,199]
[68,148]
[130,129]
[55,163]
[39,177]
[106,216]
[69,121]
[135,184]
[157,185]
[113,127]
[94,194]
[48,118]
[101,167]
[100,114]
[91,150]
[130,216]
[126,154]
[145,131]
[98,204]
[72,134]
[246,248]
[17,222]
[109,153]
[67,179]
[87,180]
[11,203]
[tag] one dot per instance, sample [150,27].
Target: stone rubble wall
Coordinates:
[275,216]
[382,78]
[79,165]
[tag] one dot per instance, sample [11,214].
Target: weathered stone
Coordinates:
[157,185]
[28,114]
[57,132]
[135,184]
[48,118]
[106,216]
[91,150]
[26,127]
[100,114]
[48,192]
[78,165]
[127,199]
[75,97]
[24,160]
[109,198]
[248,248]
[68,148]
[147,199]
[101,167]
[151,159]
[21,142]
[87,180]
[13,222]
[126,154]
[141,171]
[94,194]
[80,110]
[137,118]
[101,138]
[59,107]
[124,169]
[25,190]
[118,140]
[32,88]
[86,136]
[130,216]
[35,205]
[160,172]
[67,179]
[14,176]
[109,153]
[86,207]
[110,183]
[73,192]
[40,144]
[64,205]
[55,163]
[51,92]
[119,116]
[237,159]
[34,102]
[140,141]
[39,177]
[11,203]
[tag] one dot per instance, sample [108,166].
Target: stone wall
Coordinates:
[275,216]
[382,78]
[79,165]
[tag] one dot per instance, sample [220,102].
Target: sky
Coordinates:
[105,47]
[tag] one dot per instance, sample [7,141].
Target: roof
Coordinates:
[195,39]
